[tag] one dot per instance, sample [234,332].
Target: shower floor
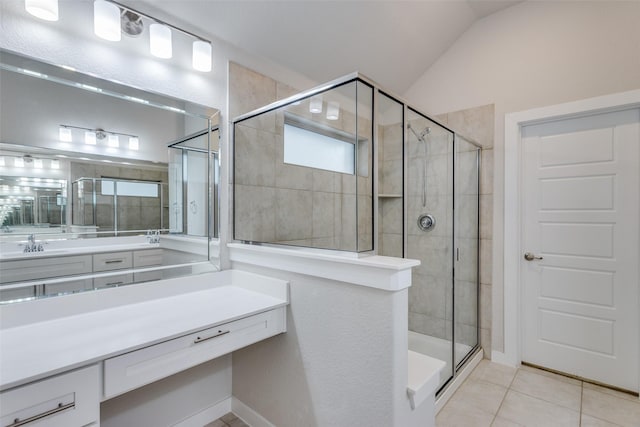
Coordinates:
[438,348]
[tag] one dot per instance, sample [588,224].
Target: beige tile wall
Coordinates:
[289,204]
[134,213]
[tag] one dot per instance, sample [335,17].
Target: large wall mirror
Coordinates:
[101,185]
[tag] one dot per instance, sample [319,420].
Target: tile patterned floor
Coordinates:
[498,396]
[228,420]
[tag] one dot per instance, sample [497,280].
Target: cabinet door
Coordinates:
[147,258]
[42,267]
[65,400]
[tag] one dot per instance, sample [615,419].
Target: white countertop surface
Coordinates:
[37,350]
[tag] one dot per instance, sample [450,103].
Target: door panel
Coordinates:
[580,214]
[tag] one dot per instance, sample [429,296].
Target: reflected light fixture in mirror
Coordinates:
[333,110]
[315,104]
[160,41]
[90,138]
[113,141]
[134,143]
[65,134]
[106,20]
[43,9]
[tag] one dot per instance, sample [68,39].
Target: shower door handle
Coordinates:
[530,257]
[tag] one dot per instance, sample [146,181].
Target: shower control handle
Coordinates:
[530,257]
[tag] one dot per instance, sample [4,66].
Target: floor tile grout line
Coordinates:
[505,396]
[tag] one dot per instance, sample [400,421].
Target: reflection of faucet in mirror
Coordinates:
[6,229]
[32,245]
[153,236]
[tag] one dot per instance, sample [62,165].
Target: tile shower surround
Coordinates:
[283,203]
[249,90]
[134,213]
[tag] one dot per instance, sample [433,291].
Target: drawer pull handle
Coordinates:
[61,407]
[219,334]
[114,283]
[113,261]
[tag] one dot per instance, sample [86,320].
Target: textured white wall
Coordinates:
[533,54]
[342,362]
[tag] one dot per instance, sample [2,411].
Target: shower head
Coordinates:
[426,131]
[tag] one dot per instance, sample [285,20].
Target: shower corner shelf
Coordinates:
[389,196]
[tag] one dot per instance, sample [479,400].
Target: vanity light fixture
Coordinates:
[134,143]
[333,110]
[2,161]
[43,9]
[65,134]
[112,18]
[315,104]
[94,136]
[202,55]
[113,141]
[90,137]
[106,20]
[55,164]
[160,41]
[18,162]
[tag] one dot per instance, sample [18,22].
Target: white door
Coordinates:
[580,214]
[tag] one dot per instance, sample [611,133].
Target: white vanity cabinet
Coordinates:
[65,400]
[141,367]
[56,370]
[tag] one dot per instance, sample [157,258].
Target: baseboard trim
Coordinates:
[248,415]
[457,382]
[207,415]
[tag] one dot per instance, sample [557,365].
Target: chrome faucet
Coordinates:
[32,245]
[153,236]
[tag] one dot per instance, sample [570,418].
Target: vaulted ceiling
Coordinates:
[392,42]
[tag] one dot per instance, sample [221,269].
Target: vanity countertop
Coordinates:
[36,350]
[54,251]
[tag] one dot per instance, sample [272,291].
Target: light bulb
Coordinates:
[113,141]
[55,164]
[333,110]
[134,143]
[43,9]
[37,163]
[315,104]
[2,163]
[202,55]
[65,134]
[90,138]
[160,41]
[106,20]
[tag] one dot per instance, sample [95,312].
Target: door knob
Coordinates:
[530,257]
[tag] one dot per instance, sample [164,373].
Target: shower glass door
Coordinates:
[466,244]
[429,228]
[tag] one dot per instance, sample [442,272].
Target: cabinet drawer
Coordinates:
[70,399]
[18,293]
[140,367]
[39,268]
[113,281]
[67,287]
[147,258]
[148,276]
[112,261]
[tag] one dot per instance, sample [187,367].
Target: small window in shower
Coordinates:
[134,189]
[304,147]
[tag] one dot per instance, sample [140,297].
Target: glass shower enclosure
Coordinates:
[423,203]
